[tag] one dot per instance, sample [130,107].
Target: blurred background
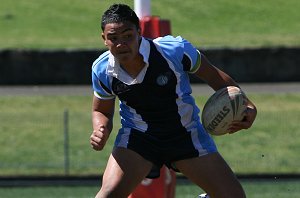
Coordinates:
[46,52]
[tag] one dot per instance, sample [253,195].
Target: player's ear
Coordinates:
[139,31]
[103,37]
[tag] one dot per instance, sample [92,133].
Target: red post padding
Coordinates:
[162,187]
[153,27]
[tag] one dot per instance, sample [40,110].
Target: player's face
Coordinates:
[122,39]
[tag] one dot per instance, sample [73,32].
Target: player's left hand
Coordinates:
[249,117]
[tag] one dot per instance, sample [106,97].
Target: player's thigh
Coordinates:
[212,174]
[124,171]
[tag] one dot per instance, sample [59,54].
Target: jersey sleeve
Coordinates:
[191,59]
[100,81]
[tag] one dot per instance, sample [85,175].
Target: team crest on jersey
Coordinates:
[162,80]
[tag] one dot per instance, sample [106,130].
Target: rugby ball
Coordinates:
[223,107]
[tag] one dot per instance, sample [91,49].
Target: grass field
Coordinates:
[32,126]
[218,23]
[32,136]
[253,189]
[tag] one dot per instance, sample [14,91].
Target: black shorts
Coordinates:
[167,147]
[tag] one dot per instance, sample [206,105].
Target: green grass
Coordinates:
[254,189]
[218,23]
[32,136]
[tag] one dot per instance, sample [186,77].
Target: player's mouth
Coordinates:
[123,52]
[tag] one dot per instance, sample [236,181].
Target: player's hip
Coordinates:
[168,147]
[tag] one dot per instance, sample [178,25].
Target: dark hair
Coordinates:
[118,13]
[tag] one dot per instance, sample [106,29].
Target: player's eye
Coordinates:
[114,38]
[127,37]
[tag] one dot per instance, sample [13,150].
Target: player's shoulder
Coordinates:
[101,62]
[171,44]
[170,41]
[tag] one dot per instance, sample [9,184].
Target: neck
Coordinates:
[134,67]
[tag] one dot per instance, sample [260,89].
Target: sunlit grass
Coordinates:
[253,189]
[219,23]
[32,136]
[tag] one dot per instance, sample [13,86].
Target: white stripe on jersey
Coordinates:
[125,133]
[136,120]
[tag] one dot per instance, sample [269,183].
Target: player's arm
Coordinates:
[218,79]
[102,119]
[213,76]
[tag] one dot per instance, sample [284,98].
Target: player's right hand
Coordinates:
[250,115]
[99,137]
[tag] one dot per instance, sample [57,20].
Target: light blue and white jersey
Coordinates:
[161,94]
